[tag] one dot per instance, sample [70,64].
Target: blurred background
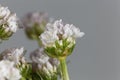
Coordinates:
[97,54]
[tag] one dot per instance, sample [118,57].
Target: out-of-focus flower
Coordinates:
[13,54]
[4,12]
[38,56]
[8,71]
[34,24]
[8,23]
[59,38]
[11,22]
[46,66]
[34,18]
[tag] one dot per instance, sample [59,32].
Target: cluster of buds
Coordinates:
[59,39]
[16,57]
[34,24]
[8,23]
[46,66]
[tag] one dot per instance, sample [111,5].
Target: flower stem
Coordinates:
[39,42]
[64,70]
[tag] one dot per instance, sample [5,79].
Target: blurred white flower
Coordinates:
[8,20]
[13,54]
[30,19]
[12,23]
[4,12]
[49,67]
[44,63]
[34,24]
[8,71]
[38,56]
[8,23]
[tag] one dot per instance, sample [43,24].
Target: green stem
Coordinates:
[39,42]
[22,78]
[64,70]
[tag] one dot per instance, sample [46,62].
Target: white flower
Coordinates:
[13,54]
[49,37]
[14,74]
[4,12]
[56,26]
[8,20]
[33,18]
[72,31]
[58,31]
[48,68]
[12,23]
[38,17]
[8,71]
[59,39]
[34,24]
[44,63]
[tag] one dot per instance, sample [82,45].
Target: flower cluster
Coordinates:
[13,54]
[8,71]
[8,23]
[60,38]
[46,66]
[34,24]
[34,18]
[11,59]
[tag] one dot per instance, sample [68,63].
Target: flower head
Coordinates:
[34,24]
[46,66]
[33,18]
[13,54]
[8,23]
[59,39]
[8,71]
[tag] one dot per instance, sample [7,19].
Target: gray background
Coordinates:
[97,54]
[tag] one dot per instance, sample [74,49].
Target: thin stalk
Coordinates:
[64,70]
[39,42]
